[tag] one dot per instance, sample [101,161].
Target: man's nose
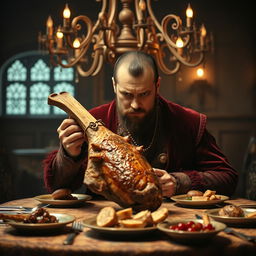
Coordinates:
[135,103]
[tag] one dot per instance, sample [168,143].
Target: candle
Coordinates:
[66,16]
[49,26]
[76,45]
[59,36]
[189,14]
[179,44]
[202,35]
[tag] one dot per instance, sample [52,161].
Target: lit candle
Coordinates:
[203,33]
[76,45]
[66,16]
[189,14]
[49,26]
[59,36]
[179,44]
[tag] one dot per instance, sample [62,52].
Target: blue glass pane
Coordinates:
[16,99]
[38,105]
[63,74]
[17,72]
[62,87]
[40,71]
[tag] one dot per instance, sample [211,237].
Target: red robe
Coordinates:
[193,156]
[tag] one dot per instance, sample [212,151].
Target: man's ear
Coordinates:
[114,84]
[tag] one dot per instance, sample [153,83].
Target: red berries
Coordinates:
[191,226]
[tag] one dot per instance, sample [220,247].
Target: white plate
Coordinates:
[183,200]
[91,223]
[49,200]
[187,236]
[63,220]
[239,221]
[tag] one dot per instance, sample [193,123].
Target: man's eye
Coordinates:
[144,94]
[126,94]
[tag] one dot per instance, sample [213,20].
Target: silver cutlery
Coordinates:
[21,209]
[77,228]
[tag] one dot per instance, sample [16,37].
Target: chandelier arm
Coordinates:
[98,60]
[76,27]
[103,10]
[163,67]
[140,30]
[159,27]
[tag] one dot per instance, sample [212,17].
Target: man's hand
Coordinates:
[167,181]
[71,137]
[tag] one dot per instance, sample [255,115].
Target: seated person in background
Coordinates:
[183,154]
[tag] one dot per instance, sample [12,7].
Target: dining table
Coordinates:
[91,242]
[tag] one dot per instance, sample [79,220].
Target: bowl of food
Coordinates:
[190,230]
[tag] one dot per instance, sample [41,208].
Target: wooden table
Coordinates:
[91,243]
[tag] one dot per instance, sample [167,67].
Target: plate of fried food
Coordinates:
[191,230]
[40,220]
[124,221]
[234,215]
[63,197]
[198,198]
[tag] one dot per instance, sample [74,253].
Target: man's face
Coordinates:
[135,96]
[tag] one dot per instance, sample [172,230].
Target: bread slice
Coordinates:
[124,214]
[159,215]
[106,217]
[131,223]
[200,198]
[144,216]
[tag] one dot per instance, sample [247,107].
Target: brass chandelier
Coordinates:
[87,45]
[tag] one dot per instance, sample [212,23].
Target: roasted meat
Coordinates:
[116,169]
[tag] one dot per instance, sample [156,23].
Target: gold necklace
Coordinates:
[153,137]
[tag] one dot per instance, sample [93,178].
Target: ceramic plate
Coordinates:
[214,213]
[49,200]
[186,236]
[183,200]
[64,219]
[91,223]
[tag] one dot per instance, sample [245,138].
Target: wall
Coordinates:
[230,100]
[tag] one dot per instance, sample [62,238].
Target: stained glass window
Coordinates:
[27,80]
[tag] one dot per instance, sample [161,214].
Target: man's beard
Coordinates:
[137,126]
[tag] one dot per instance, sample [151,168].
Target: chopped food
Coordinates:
[192,226]
[108,217]
[196,195]
[231,211]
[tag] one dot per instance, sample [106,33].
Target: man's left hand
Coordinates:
[167,181]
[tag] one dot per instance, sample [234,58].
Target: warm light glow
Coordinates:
[200,72]
[49,22]
[179,42]
[189,11]
[66,12]
[76,43]
[59,34]
[203,31]
[142,5]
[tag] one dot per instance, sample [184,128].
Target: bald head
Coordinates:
[136,63]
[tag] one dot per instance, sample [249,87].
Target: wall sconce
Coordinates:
[201,87]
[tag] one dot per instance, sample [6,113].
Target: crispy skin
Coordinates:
[118,171]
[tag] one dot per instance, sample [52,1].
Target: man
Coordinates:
[176,143]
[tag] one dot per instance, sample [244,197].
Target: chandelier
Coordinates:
[87,45]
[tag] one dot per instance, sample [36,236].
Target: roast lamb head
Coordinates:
[116,169]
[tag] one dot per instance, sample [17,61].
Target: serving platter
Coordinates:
[188,236]
[49,200]
[91,223]
[239,221]
[63,220]
[184,200]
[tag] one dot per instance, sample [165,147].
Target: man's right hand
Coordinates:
[71,137]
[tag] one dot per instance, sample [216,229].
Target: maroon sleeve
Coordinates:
[212,169]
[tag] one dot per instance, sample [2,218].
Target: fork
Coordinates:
[77,228]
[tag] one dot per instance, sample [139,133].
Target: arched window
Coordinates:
[27,79]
